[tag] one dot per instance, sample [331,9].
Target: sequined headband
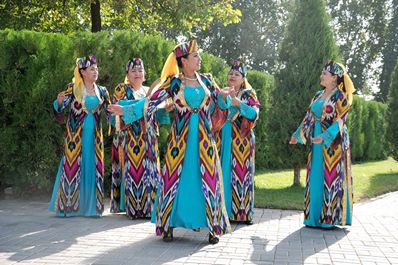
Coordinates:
[238,66]
[134,63]
[86,61]
[186,48]
[334,68]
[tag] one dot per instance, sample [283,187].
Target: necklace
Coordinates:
[190,79]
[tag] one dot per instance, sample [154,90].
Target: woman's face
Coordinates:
[327,79]
[235,79]
[136,75]
[192,62]
[90,74]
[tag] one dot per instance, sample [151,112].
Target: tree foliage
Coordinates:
[360,32]
[308,42]
[170,17]
[392,116]
[255,39]
[389,54]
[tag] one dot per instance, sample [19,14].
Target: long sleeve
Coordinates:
[307,123]
[247,111]
[330,134]
[296,135]
[58,110]
[224,103]
[66,101]
[133,110]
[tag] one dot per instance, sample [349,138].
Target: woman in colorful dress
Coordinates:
[190,194]
[135,159]
[79,185]
[329,190]
[237,146]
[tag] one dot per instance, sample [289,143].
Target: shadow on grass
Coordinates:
[380,184]
[291,198]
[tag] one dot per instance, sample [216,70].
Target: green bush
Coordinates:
[392,115]
[367,129]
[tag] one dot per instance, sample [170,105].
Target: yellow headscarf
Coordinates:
[78,88]
[81,63]
[170,67]
[349,86]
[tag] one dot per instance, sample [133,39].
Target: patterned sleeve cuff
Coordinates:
[327,138]
[224,103]
[56,108]
[296,135]
[128,114]
[133,111]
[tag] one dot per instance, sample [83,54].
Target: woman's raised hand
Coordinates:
[60,98]
[227,91]
[293,140]
[317,140]
[115,110]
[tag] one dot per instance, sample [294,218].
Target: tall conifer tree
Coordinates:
[392,114]
[308,43]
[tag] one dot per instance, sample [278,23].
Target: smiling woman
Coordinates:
[79,185]
[135,161]
[328,196]
[237,146]
[190,192]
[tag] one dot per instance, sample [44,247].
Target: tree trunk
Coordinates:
[296,181]
[95,16]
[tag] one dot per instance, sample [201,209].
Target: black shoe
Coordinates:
[168,237]
[248,222]
[213,239]
[196,229]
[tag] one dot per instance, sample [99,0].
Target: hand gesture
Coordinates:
[232,92]
[317,140]
[235,102]
[60,98]
[115,110]
[293,140]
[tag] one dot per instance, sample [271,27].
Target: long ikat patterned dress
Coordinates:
[236,143]
[72,195]
[333,164]
[209,164]
[135,176]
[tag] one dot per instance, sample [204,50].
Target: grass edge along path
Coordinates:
[273,189]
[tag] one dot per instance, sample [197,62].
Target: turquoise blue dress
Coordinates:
[316,178]
[87,181]
[226,149]
[189,208]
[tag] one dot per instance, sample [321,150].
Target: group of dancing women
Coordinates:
[207,176]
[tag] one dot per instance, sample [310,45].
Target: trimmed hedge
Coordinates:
[367,127]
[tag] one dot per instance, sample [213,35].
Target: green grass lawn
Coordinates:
[274,189]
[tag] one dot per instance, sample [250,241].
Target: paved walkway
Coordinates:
[31,235]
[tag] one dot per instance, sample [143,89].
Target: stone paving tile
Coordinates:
[31,235]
